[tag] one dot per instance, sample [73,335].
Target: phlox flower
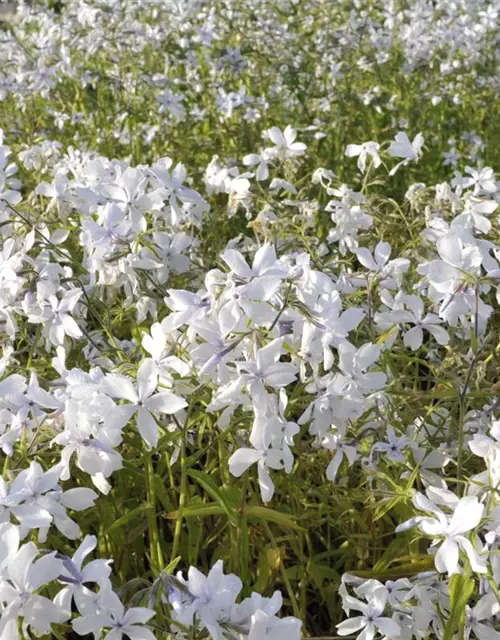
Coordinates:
[371,620]
[354,363]
[23,577]
[261,161]
[482,179]
[91,441]
[56,318]
[170,187]
[363,152]
[40,501]
[255,375]
[208,600]
[286,147]
[394,447]
[268,627]
[338,443]
[477,618]
[447,531]
[348,216]
[457,262]
[172,103]
[112,615]
[129,192]
[239,193]
[411,311]
[488,448]
[9,186]
[142,400]
[379,265]
[265,457]
[76,577]
[111,227]
[475,215]
[402,147]
[58,191]
[271,436]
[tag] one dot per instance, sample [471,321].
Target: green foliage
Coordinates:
[163,515]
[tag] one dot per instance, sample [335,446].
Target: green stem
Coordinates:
[241,521]
[154,535]
[182,499]
[34,346]
[494,588]
[461,421]
[284,577]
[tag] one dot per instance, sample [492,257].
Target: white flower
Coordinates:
[483,180]
[456,264]
[380,266]
[95,571]
[363,152]
[371,619]
[262,162]
[286,147]
[394,447]
[23,578]
[57,319]
[403,148]
[337,442]
[269,627]
[414,314]
[448,531]
[112,614]
[476,618]
[210,598]
[143,401]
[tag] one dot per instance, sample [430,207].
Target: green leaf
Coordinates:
[245,562]
[205,481]
[385,508]
[195,535]
[232,497]
[198,510]
[266,568]
[320,573]
[254,512]
[127,517]
[393,550]
[271,515]
[171,566]
[162,494]
[461,587]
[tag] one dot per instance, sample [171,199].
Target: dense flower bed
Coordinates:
[249,319]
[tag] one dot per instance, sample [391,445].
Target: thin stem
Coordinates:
[494,588]
[182,499]
[283,307]
[154,535]
[33,347]
[240,523]
[286,580]
[461,420]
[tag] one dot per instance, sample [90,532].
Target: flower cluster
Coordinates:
[250,297]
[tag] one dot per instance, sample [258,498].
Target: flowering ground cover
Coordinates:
[249,319]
